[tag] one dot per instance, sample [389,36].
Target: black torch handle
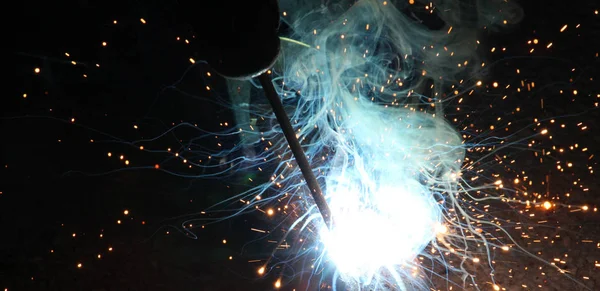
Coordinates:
[290,135]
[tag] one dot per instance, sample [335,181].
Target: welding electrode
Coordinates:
[247,47]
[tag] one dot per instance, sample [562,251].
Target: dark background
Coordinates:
[50,189]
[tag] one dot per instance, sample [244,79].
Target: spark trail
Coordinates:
[366,85]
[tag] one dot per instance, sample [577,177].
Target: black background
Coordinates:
[45,198]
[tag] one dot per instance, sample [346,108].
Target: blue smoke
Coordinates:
[365,84]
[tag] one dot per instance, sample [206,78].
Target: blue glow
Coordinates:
[381,190]
[365,85]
